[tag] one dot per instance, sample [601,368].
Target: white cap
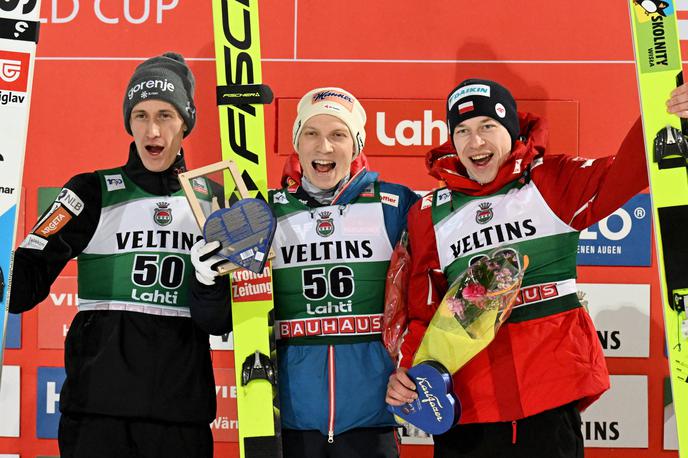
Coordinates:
[332,101]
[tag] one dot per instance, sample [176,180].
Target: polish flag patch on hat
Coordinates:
[465,107]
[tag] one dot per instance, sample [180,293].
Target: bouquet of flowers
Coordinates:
[474,307]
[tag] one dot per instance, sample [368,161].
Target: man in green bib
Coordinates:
[139,376]
[337,225]
[522,395]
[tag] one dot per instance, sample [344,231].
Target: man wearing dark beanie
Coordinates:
[522,395]
[139,375]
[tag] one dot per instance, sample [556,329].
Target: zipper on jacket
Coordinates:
[513,431]
[330,363]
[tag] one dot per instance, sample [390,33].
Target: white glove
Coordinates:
[204,259]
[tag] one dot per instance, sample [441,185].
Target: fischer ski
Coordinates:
[240,97]
[658,66]
[19,25]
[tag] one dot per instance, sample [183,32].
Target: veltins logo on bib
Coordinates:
[484,214]
[163,214]
[325,226]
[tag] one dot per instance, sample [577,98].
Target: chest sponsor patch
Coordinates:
[443,197]
[280,198]
[114,182]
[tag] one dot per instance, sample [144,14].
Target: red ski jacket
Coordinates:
[550,355]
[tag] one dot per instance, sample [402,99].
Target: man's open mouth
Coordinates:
[323,166]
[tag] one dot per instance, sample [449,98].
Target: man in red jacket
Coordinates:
[522,395]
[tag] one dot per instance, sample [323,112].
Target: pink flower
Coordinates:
[473,292]
[456,306]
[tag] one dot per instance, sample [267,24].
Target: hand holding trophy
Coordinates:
[466,321]
[244,229]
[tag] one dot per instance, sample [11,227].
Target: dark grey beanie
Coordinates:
[477,97]
[167,78]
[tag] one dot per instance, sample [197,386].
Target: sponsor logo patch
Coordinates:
[426,202]
[330,326]
[443,196]
[33,242]
[150,87]
[389,199]
[71,201]
[54,223]
[114,182]
[537,293]
[500,110]
[468,91]
[279,198]
[337,97]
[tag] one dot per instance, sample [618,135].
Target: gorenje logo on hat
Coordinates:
[163,85]
[334,96]
[468,91]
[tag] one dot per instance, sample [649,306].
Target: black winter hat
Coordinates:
[476,97]
[167,78]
